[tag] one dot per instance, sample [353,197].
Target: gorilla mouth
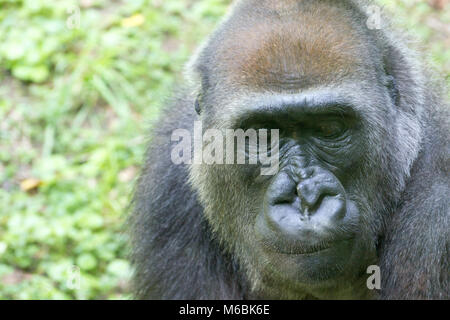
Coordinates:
[307,250]
[282,229]
[302,249]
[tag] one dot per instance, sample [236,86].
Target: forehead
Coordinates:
[289,45]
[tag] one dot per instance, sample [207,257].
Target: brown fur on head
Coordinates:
[306,43]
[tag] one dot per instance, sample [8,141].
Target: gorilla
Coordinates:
[363,175]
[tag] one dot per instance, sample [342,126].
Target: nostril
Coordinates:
[330,209]
[283,199]
[282,190]
[315,204]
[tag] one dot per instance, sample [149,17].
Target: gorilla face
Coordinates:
[315,223]
[308,223]
[311,224]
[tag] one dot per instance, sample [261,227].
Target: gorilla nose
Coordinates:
[311,195]
[308,210]
[321,193]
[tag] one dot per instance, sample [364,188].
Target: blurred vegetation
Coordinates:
[79,83]
[428,23]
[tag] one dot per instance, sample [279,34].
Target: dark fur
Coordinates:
[178,255]
[174,252]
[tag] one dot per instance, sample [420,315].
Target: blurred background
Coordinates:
[80,83]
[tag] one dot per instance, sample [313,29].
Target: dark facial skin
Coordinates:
[306,211]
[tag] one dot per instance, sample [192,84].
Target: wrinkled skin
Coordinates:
[363,175]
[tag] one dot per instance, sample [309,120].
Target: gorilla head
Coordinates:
[356,123]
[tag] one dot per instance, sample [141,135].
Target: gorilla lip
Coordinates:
[305,250]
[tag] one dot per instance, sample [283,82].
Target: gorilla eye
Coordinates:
[329,129]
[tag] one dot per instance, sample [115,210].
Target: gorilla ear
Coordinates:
[198,104]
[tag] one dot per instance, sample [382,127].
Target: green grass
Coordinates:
[74,108]
[75,104]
